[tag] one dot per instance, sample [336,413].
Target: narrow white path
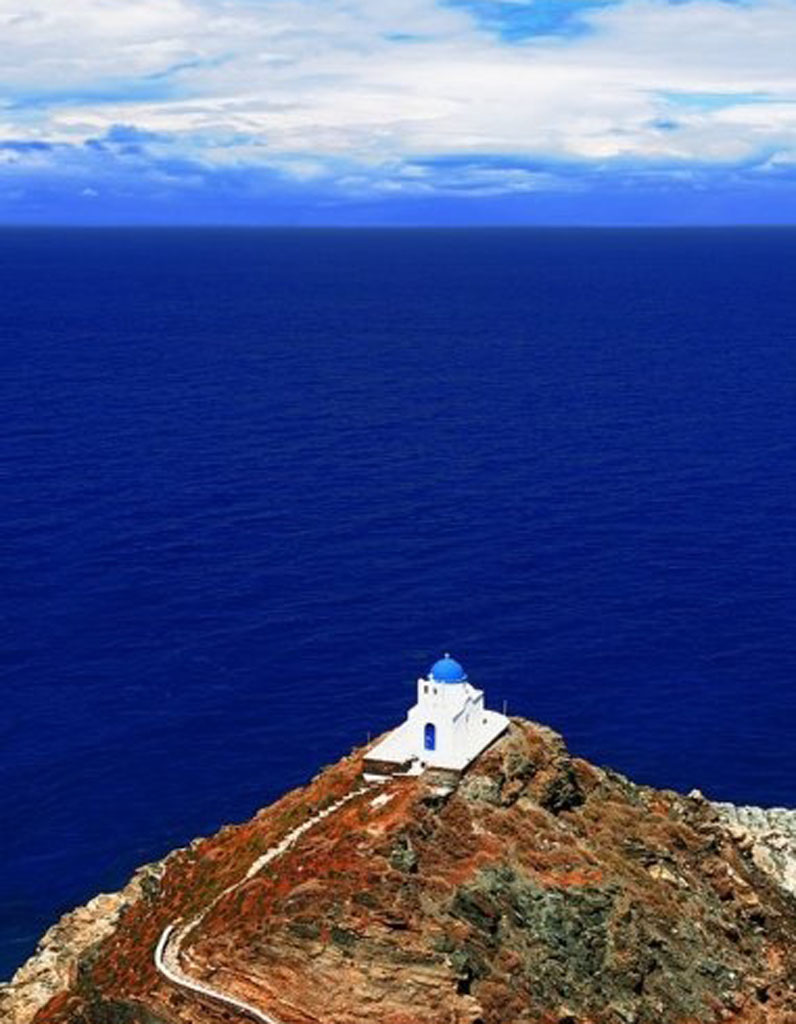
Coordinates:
[166,963]
[167,952]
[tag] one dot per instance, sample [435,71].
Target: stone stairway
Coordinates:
[173,936]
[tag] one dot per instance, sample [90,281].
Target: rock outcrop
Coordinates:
[542,890]
[769,835]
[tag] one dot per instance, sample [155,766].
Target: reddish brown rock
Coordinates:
[542,891]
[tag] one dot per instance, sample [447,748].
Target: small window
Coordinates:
[430,736]
[425,689]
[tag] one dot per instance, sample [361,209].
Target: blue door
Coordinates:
[430,736]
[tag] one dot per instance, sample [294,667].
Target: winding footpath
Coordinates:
[172,938]
[168,966]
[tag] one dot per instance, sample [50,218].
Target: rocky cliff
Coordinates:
[541,889]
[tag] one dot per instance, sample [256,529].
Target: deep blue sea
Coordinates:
[255,482]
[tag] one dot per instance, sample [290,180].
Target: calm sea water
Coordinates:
[255,482]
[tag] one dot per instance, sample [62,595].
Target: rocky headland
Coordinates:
[540,890]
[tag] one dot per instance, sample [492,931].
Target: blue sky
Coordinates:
[398,111]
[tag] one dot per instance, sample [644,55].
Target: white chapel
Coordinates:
[447,728]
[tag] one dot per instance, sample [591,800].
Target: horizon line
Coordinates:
[235,226]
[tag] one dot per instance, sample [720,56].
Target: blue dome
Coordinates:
[446,670]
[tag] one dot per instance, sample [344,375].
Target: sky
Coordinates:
[324,112]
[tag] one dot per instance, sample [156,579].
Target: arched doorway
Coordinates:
[430,736]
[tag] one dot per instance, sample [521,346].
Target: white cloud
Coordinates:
[313,87]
